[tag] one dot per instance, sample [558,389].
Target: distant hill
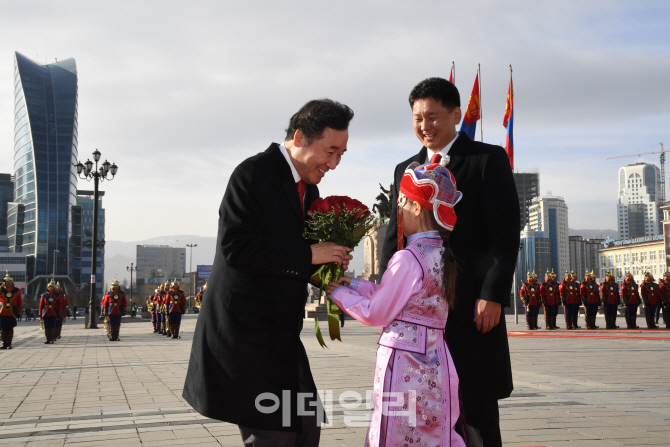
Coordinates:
[593,234]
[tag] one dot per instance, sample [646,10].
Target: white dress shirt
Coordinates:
[444,152]
[294,171]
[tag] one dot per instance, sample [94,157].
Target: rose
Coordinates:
[338,205]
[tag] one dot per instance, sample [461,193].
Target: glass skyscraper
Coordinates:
[45,152]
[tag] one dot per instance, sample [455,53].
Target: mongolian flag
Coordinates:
[451,73]
[473,112]
[508,121]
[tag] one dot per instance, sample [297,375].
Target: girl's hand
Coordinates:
[344,281]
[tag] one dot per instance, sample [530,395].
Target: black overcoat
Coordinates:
[247,340]
[485,242]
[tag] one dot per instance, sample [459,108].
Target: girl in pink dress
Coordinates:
[415,397]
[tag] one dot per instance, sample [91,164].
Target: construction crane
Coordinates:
[662,152]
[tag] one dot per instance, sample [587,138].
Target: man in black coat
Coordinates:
[247,362]
[485,243]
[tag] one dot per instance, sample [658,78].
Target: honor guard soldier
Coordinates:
[155,314]
[62,311]
[175,308]
[665,298]
[577,284]
[630,296]
[549,294]
[200,296]
[165,296]
[591,299]
[114,306]
[530,295]
[570,300]
[150,308]
[557,298]
[159,299]
[609,293]
[650,296]
[12,306]
[49,305]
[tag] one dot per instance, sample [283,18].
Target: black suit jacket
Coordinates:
[247,340]
[485,242]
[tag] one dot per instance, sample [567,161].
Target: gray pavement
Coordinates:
[583,388]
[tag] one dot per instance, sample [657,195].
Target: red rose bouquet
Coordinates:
[344,221]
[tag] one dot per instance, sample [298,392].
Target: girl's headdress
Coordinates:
[433,186]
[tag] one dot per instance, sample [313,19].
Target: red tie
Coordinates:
[435,158]
[301,192]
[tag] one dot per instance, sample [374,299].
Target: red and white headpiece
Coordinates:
[434,187]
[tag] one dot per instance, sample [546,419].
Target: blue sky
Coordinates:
[178,93]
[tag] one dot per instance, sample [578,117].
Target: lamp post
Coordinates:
[53,274]
[190,271]
[86,172]
[131,269]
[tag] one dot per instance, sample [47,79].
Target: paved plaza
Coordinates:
[593,389]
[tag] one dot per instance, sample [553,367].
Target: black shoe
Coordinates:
[3,347]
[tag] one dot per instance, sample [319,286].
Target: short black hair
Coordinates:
[439,89]
[316,115]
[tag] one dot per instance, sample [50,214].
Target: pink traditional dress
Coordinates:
[413,358]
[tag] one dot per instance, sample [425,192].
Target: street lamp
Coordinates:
[86,172]
[131,269]
[53,275]
[190,271]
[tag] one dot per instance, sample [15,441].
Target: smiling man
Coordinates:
[485,243]
[248,365]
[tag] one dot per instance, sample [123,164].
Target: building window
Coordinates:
[652,256]
[626,258]
[634,257]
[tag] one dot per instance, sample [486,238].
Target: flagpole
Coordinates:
[481,111]
[453,71]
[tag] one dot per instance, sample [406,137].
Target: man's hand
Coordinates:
[487,315]
[326,252]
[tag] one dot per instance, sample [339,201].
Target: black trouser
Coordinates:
[483,420]
[308,437]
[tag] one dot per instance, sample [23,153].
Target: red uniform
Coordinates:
[114,303]
[650,293]
[49,305]
[176,301]
[664,292]
[549,292]
[10,310]
[630,294]
[651,296]
[609,293]
[530,294]
[12,304]
[665,301]
[589,293]
[569,292]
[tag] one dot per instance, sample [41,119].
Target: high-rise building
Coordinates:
[550,214]
[584,255]
[638,212]
[535,254]
[527,188]
[6,196]
[83,213]
[45,152]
